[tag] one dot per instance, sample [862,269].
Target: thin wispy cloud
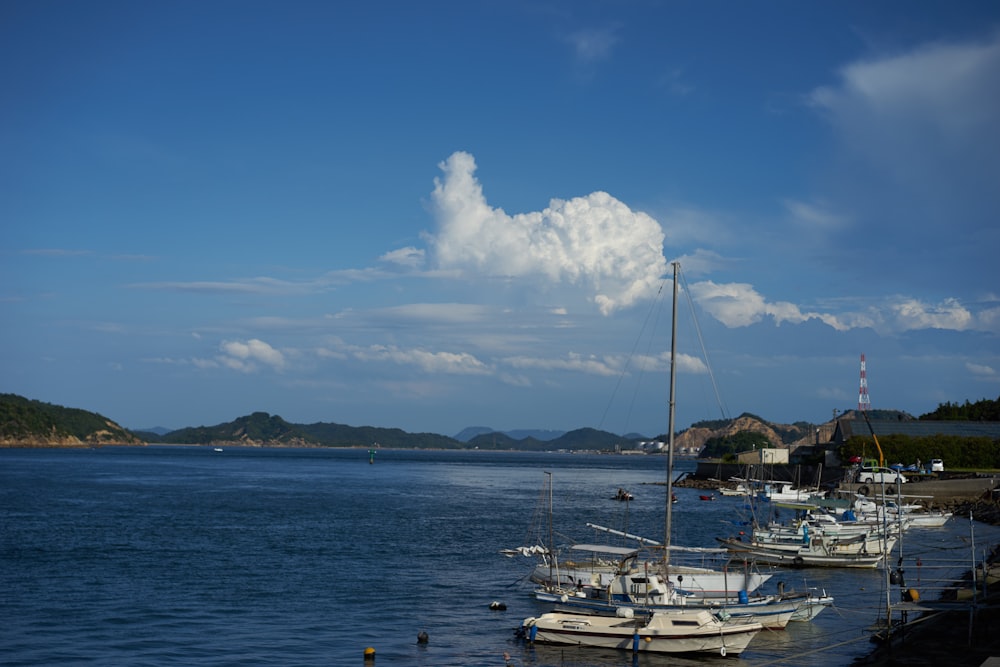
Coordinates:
[592,45]
[429,361]
[56,252]
[259,285]
[814,216]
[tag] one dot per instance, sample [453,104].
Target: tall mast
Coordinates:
[670,424]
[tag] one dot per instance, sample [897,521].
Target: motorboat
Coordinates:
[687,631]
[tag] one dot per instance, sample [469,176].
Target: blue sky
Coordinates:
[446,214]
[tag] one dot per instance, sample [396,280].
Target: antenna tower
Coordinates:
[864,402]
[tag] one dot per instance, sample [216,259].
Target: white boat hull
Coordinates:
[807,557]
[662,632]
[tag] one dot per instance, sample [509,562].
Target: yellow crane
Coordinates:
[881,460]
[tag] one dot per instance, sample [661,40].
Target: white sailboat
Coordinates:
[670,630]
[585,567]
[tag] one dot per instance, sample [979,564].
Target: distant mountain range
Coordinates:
[542,435]
[25,422]
[158,430]
[467,434]
[30,423]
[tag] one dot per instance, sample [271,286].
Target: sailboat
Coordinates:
[668,630]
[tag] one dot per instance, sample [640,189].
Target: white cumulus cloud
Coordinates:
[246,356]
[595,241]
[740,305]
[949,314]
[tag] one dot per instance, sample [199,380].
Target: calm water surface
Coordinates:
[187,556]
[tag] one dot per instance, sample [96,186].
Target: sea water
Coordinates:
[190,556]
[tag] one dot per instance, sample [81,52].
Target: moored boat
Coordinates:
[644,592]
[694,631]
[598,565]
[860,552]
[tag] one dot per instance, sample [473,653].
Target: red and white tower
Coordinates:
[864,402]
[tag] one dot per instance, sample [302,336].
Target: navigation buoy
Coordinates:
[422,638]
[369,654]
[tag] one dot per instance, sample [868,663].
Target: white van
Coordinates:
[937,465]
[879,476]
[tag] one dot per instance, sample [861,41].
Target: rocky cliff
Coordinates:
[777,435]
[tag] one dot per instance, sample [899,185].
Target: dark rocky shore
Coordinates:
[955,638]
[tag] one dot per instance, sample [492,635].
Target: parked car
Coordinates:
[879,476]
[937,465]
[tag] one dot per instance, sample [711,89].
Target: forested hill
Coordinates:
[263,430]
[984,410]
[28,423]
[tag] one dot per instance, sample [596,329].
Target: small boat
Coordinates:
[595,566]
[217,449]
[786,492]
[814,604]
[707,497]
[864,551]
[696,631]
[910,514]
[622,494]
[644,592]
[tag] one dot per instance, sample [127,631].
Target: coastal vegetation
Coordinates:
[959,452]
[984,410]
[262,429]
[25,421]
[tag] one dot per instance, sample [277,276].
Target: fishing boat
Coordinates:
[787,492]
[740,489]
[589,566]
[864,551]
[814,603]
[910,514]
[622,494]
[690,631]
[644,591]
